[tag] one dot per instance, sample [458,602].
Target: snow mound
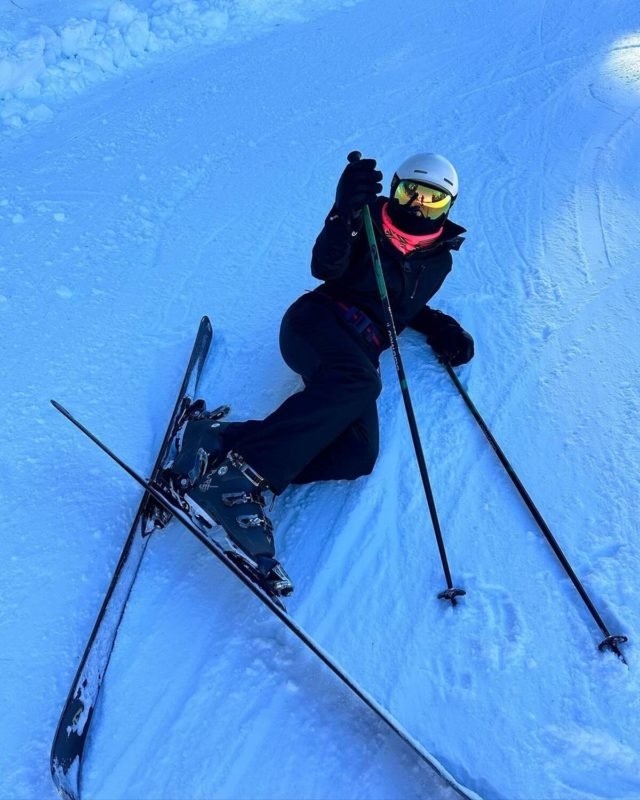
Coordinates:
[42,65]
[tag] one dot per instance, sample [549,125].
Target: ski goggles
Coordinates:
[429,202]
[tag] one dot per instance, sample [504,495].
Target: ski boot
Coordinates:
[198,445]
[195,430]
[267,572]
[231,495]
[200,429]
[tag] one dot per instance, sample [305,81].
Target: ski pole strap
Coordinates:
[361,323]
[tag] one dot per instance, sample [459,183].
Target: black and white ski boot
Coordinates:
[231,495]
[198,445]
[196,429]
[274,576]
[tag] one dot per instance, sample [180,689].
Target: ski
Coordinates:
[73,728]
[276,608]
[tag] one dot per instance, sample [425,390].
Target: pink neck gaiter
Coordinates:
[405,242]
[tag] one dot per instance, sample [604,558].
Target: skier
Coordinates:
[332,337]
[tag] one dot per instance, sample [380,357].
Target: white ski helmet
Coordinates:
[430,168]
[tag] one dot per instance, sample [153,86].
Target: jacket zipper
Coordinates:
[415,288]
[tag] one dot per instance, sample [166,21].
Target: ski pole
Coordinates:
[450,593]
[610,641]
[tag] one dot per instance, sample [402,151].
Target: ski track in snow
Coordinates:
[197,185]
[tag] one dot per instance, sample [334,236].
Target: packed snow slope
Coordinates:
[190,174]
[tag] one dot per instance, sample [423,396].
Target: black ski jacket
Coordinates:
[341,259]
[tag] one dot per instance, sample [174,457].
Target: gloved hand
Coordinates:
[358,186]
[448,339]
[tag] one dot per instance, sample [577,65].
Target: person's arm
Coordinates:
[447,338]
[358,186]
[332,251]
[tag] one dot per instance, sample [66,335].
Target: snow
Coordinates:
[44,60]
[162,160]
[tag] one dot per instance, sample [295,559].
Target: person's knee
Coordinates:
[360,378]
[367,449]
[369,461]
[375,382]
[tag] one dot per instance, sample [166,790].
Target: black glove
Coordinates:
[448,339]
[358,186]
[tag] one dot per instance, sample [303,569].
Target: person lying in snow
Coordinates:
[333,337]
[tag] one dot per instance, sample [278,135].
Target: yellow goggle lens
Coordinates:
[428,201]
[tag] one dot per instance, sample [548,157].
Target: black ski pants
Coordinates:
[329,430]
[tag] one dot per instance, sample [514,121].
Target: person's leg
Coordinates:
[341,386]
[350,456]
